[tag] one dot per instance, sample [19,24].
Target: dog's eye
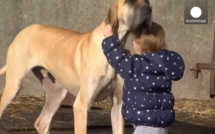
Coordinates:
[130,1]
[147,1]
[134,1]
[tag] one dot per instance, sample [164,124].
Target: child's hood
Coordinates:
[171,63]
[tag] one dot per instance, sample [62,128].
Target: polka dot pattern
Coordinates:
[147,97]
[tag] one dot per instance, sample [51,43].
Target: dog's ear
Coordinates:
[147,22]
[111,17]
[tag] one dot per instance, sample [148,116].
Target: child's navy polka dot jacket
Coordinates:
[148,79]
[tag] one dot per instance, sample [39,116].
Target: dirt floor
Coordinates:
[192,117]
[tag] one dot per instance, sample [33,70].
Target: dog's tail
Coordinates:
[3,70]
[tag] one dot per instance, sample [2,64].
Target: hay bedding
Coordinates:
[196,112]
[23,111]
[198,108]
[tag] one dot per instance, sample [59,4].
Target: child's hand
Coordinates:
[108,31]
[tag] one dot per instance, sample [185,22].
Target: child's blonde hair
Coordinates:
[151,40]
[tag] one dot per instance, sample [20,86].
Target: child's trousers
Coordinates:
[150,130]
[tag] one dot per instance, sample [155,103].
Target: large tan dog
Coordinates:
[68,61]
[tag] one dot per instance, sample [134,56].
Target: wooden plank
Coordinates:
[63,119]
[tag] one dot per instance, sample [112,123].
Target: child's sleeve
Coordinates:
[126,65]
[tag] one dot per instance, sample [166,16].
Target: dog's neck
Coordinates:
[120,31]
[98,37]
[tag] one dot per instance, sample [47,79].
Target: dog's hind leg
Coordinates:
[54,95]
[13,83]
[16,69]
